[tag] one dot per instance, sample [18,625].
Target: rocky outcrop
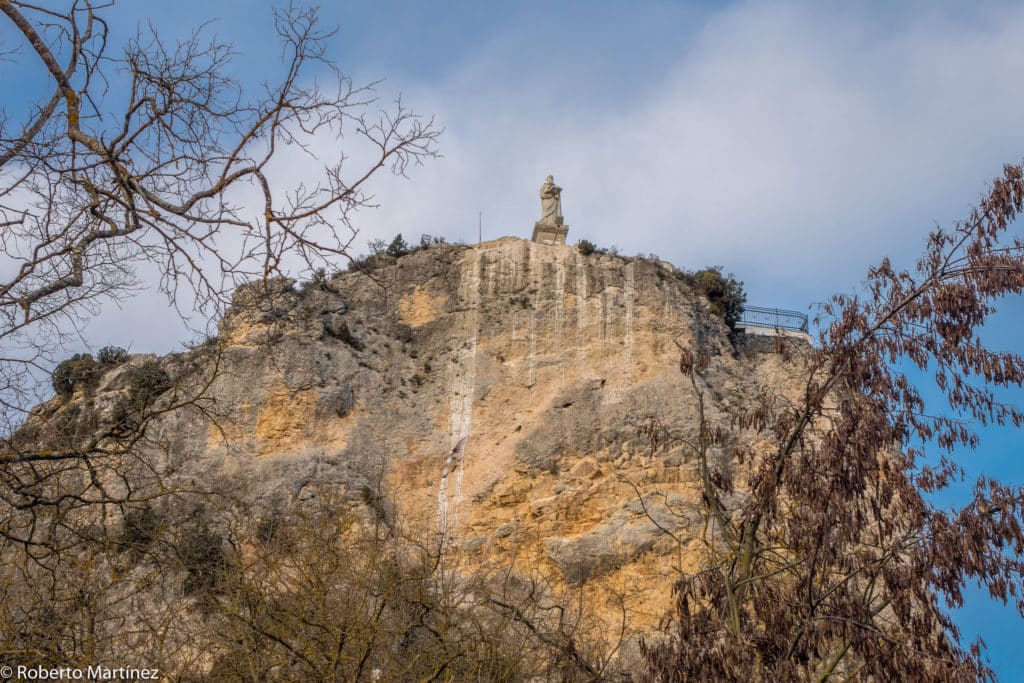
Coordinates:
[521,401]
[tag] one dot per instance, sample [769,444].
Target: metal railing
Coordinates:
[774,318]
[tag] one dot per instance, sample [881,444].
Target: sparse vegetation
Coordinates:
[202,558]
[317,282]
[587,248]
[146,382]
[522,301]
[724,293]
[111,356]
[398,247]
[382,252]
[139,528]
[269,528]
[81,370]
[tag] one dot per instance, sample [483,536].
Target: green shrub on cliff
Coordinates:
[79,370]
[724,293]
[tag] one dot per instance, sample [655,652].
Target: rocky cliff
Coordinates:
[518,396]
[520,403]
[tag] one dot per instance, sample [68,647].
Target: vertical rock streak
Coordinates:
[460,411]
[559,303]
[627,353]
[581,309]
[534,281]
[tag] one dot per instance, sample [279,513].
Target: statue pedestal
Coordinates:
[549,234]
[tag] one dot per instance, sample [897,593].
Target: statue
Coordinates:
[551,228]
[550,203]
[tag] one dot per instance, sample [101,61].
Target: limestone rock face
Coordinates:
[522,400]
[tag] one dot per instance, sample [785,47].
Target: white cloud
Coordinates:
[792,145]
[789,145]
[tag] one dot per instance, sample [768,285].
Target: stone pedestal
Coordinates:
[549,234]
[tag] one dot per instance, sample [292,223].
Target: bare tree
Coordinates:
[156,158]
[322,590]
[153,161]
[830,561]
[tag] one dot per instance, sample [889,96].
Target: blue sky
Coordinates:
[793,143]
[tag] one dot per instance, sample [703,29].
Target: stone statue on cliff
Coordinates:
[550,203]
[551,228]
